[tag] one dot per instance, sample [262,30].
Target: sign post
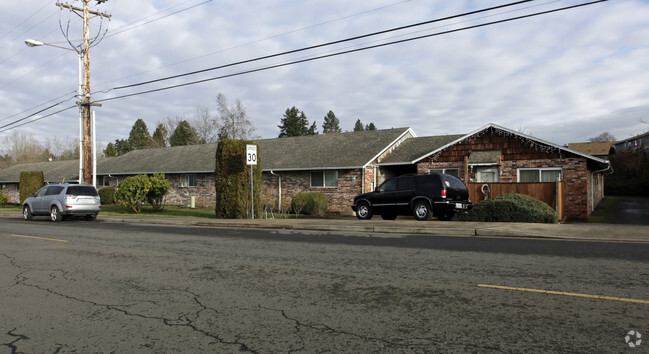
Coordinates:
[251,159]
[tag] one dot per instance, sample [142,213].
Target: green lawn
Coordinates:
[169,211]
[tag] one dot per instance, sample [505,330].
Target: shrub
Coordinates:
[132,192]
[511,208]
[30,182]
[3,197]
[159,188]
[310,203]
[232,177]
[107,195]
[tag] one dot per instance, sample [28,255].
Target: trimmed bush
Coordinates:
[511,208]
[132,192]
[310,203]
[30,182]
[107,195]
[232,177]
[3,197]
[159,188]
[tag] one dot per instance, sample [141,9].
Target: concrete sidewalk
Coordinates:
[402,227]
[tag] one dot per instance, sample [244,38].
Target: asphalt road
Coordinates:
[80,286]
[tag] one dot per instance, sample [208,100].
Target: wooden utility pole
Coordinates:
[85,101]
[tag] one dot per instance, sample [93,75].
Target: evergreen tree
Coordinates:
[160,135]
[184,134]
[358,127]
[313,130]
[139,137]
[370,126]
[122,147]
[294,123]
[110,150]
[331,124]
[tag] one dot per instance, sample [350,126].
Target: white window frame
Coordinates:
[482,169]
[434,170]
[185,180]
[540,169]
[324,179]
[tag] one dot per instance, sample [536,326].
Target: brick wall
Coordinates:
[295,182]
[577,196]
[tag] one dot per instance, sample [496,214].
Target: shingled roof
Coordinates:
[328,151]
[177,159]
[412,149]
[55,171]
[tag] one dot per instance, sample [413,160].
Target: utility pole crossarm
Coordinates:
[74,8]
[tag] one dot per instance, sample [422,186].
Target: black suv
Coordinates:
[441,195]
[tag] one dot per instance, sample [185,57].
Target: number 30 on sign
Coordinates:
[251,154]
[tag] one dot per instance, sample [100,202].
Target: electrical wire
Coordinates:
[345,52]
[323,44]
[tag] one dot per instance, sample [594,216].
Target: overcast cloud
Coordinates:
[562,77]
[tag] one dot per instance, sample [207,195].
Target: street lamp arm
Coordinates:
[35,43]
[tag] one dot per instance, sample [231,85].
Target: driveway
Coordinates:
[623,209]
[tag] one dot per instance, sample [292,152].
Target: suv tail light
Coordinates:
[443,193]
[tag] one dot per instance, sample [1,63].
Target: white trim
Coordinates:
[409,130]
[540,169]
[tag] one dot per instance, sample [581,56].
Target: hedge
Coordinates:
[30,182]
[107,195]
[310,203]
[232,177]
[511,208]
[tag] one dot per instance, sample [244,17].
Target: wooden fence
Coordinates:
[548,192]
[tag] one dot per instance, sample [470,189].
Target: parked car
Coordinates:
[422,196]
[59,200]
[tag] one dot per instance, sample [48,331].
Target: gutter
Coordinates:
[592,185]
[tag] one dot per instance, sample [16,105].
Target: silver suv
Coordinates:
[58,200]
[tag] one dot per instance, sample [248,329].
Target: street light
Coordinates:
[34,43]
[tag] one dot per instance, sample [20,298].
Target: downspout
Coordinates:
[279,188]
[592,192]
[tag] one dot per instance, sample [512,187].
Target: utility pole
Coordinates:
[85,101]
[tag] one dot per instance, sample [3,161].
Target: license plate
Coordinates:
[460,206]
[85,201]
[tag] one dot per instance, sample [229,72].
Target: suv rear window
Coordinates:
[453,182]
[82,190]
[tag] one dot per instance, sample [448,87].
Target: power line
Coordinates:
[342,52]
[264,39]
[300,61]
[323,44]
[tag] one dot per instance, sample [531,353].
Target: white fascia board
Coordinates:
[409,130]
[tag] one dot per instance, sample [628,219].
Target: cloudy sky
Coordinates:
[562,77]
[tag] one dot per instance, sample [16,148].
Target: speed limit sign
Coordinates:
[251,154]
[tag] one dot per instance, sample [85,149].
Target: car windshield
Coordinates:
[82,190]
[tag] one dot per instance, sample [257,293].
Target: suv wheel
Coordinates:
[422,210]
[364,211]
[55,214]
[27,213]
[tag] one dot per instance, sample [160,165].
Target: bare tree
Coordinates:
[23,148]
[233,121]
[602,138]
[206,126]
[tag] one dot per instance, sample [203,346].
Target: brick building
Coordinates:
[342,165]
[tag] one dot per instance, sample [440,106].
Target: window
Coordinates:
[486,174]
[539,174]
[449,171]
[324,179]
[188,180]
[389,185]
